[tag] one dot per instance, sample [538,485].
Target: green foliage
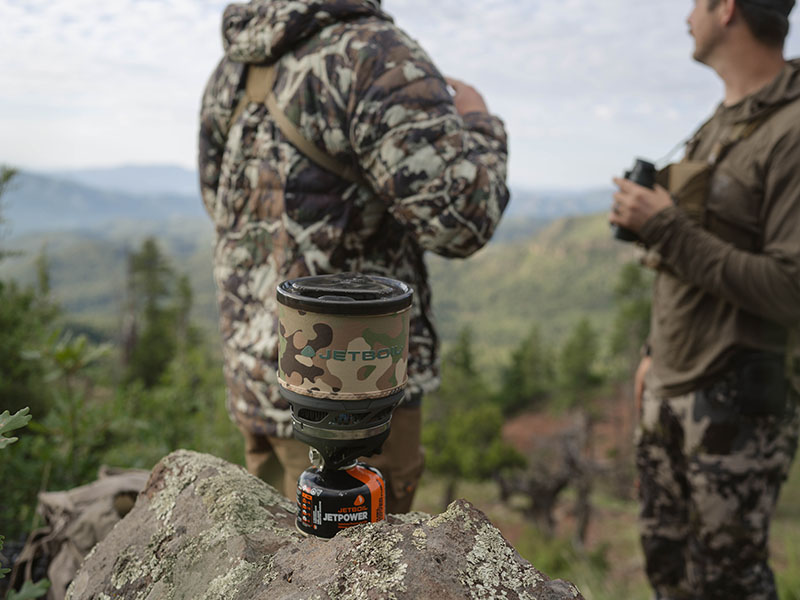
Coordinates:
[9,423]
[185,409]
[172,396]
[25,318]
[69,355]
[150,275]
[789,580]
[92,422]
[94,419]
[578,375]
[74,432]
[590,570]
[152,352]
[29,590]
[16,319]
[462,383]
[159,305]
[150,290]
[462,431]
[3,572]
[632,320]
[528,379]
[468,444]
[552,276]
[89,270]
[64,447]
[558,557]
[6,175]
[785,538]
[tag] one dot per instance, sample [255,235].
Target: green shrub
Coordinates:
[789,578]
[9,423]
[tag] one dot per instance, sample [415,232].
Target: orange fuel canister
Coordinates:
[329,500]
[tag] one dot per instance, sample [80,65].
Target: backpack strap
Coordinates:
[258,89]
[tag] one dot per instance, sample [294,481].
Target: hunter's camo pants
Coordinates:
[710,473]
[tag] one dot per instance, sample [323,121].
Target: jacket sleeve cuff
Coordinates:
[489,125]
[657,228]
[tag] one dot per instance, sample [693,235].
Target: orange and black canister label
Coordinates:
[331,500]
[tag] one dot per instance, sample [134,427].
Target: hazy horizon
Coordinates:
[70,174]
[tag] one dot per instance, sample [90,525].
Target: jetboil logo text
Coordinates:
[360,355]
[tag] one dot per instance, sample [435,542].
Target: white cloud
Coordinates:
[582,85]
[603,112]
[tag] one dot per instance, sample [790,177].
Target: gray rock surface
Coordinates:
[204,529]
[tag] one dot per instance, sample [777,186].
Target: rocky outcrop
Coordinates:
[204,529]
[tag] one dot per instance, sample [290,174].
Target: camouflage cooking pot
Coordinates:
[342,360]
[343,337]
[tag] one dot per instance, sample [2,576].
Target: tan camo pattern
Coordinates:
[342,357]
[366,93]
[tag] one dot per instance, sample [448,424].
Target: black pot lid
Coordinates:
[346,294]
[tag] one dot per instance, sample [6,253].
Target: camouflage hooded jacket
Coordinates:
[365,93]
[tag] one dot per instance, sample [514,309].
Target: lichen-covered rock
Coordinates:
[204,529]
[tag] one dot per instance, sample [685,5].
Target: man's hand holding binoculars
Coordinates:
[635,204]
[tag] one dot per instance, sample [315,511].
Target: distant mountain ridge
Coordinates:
[40,203]
[91,199]
[557,203]
[136,179]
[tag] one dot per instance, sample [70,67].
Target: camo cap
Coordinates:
[784,7]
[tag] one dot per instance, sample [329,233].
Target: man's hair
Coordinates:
[768,20]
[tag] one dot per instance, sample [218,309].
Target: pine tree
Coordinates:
[6,175]
[578,375]
[632,319]
[462,433]
[150,285]
[528,380]
[25,317]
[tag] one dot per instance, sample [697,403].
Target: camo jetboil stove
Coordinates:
[343,369]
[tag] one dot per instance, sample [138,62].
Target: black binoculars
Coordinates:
[643,173]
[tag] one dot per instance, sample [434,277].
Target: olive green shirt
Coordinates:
[731,281]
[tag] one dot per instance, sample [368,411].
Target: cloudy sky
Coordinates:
[582,85]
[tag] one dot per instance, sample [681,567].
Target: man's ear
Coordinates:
[726,9]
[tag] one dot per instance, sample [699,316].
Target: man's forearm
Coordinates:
[766,284]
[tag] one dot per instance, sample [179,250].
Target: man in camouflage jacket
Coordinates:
[432,169]
[719,414]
